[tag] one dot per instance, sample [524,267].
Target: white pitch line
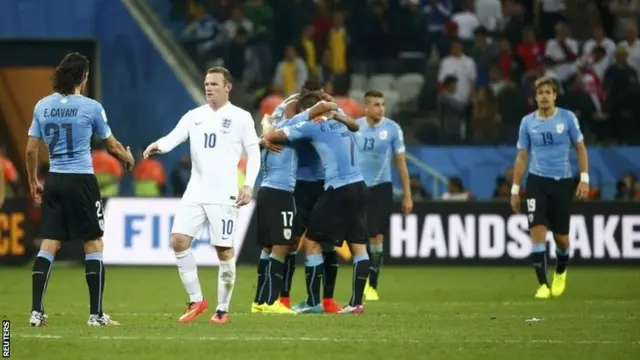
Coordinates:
[325,339]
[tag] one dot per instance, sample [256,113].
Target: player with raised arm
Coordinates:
[378,140]
[547,135]
[309,187]
[340,213]
[218,133]
[276,210]
[71,203]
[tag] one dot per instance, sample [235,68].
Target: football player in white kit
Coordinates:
[218,133]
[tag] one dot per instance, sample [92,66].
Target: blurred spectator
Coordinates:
[179,177]
[379,39]
[438,13]
[510,62]
[270,103]
[323,20]
[418,193]
[149,178]
[261,16]
[485,118]
[308,51]
[237,22]
[550,15]
[455,191]
[580,102]
[599,39]
[620,82]
[411,33]
[451,112]
[10,175]
[466,21]
[335,56]
[484,54]
[632,44]
[530,50]
[108,170]
[208,36]
[598,61]
[627,188]
[489,14]
[241,61]
[626,13]
[515,22]
[291,73]
[563,51]
[463,68]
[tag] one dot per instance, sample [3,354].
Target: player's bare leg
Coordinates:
[261,285]
[275,280]
[376,250]
[314,268]
[360,274]
[96,277]
[188,271]
[539,259]
[562,257]
[226,281]
[40,279]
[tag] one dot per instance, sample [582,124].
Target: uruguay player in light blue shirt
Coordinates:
[340,213]
[380,140]
[71,203]
[544,142]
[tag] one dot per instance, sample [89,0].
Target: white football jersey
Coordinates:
[217,139]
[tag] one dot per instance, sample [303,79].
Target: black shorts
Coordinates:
[340,214]
[306,194]
[549,203]
[276,210]
[72,208]
[379,209]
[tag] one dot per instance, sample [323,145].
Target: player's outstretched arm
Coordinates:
[176,137]
[322,107]
[115,148]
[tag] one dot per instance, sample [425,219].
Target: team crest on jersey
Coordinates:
[287,234]
[226,123]
[560,128]
[383,134]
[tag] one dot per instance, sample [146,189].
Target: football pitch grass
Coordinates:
[424,313]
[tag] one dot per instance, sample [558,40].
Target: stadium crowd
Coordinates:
[452,72]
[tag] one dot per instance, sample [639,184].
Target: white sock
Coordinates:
[226,280]
[189,274]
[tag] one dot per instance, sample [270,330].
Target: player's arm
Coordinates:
[33,142]
[397,144]
[281,136]
[113,146]
[522,157]
[320,108]
[347,120]
[251,146]
[176,137]
[583,156]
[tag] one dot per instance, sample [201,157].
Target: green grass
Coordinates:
[424,313]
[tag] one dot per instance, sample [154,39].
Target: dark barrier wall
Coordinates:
[488,233]
[16,233]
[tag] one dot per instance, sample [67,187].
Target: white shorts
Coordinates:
[191,219]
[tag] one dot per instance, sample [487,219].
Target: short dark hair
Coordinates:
[312,85]
[70,73]
[373,94]
[545,80]
[221,70]
[307,101]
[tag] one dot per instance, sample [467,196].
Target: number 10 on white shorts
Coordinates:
[191,219]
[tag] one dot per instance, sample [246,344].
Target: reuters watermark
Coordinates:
[6,338]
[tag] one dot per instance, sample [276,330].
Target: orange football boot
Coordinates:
[194,309]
